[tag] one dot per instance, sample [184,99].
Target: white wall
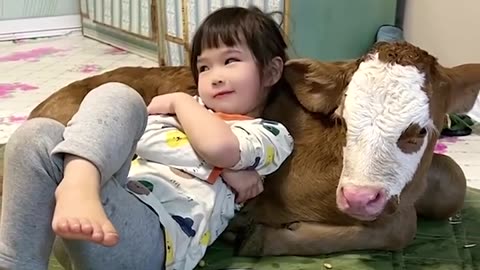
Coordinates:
[448,29]
[38,18]
[21,9]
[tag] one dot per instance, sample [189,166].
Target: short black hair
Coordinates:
[233,25]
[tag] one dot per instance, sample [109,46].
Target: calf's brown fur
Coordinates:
[148,82]
[297,212]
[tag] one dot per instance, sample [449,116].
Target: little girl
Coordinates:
[165,209]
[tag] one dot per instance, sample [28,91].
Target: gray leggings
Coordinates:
[110,121]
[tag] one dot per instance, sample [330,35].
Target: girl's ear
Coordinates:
[273,72]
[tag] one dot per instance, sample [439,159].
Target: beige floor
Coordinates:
[466,152]
[31,70]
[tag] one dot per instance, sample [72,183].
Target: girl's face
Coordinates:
[229,81]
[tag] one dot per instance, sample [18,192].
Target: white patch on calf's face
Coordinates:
[382,100]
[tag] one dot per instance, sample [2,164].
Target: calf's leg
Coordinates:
[304,239]
[446,188]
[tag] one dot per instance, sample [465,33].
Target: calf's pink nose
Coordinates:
[363,197]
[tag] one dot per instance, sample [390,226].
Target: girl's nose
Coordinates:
[217,82]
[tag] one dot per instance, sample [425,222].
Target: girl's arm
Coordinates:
[209,135]
[164,142]
[264,145]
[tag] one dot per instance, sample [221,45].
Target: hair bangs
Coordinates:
[218,35]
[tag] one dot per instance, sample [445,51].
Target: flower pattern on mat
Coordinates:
[88,68]
[442,144]
[30,55]
[13,119]
[45,65]
[7,88]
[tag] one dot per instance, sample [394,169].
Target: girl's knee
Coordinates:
[121,96]
[120,92]
[34,133]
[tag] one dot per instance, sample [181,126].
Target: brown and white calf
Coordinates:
[363,165]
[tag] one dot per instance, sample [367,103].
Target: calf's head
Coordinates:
[392,103]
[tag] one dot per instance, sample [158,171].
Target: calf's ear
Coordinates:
[319,86]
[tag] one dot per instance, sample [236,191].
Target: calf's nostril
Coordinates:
[376,198]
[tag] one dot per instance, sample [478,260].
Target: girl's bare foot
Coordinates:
[79,213]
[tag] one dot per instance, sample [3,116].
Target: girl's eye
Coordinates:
[231,60]
[202,68]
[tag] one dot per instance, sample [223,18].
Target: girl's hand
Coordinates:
[247,184]
[165,104]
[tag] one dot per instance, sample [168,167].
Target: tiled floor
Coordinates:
[31,70]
